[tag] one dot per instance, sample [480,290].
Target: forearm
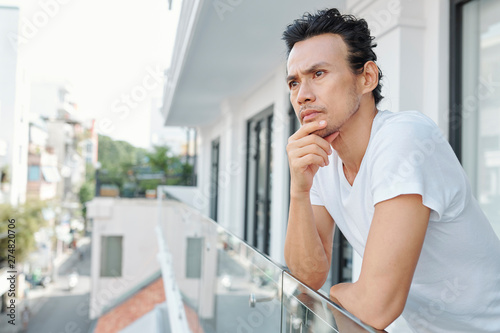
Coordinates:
[304,250]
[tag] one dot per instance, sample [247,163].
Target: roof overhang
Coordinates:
[223,49]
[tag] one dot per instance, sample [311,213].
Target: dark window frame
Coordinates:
[214,179]
[456,62]
[266,117]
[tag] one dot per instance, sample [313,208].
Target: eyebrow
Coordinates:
[310,70]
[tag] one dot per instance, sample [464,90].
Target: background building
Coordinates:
[43,174]
[14,103]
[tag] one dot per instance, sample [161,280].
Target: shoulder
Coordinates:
[405,128]
[404,121]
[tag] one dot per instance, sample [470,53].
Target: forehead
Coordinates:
[323,48]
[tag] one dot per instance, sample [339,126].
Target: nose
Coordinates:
[305,94]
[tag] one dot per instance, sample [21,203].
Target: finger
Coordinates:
[310,140]
[317,155]
[308,128]
[309,160]
[311,149]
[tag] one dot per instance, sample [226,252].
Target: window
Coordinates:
[34,173]
[193,257]
[111,256]
[475,97]
[259,180]
[214,179]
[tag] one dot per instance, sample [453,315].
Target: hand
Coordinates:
[307,152]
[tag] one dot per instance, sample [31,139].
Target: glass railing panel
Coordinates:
[184,240]
[227,285]
[305,310]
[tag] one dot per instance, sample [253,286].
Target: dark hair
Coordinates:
[354,32]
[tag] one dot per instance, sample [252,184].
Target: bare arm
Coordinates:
[392,250]
[309,239]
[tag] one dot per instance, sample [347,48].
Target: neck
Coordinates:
[353,140]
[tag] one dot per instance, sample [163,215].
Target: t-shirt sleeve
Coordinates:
[413,157]
[314,194]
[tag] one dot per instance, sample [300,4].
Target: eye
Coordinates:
[292,84]
[318,73]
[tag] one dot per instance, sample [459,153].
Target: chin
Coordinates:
[325,132]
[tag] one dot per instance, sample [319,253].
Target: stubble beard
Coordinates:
[354,104]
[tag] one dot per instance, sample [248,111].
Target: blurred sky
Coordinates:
[105,49]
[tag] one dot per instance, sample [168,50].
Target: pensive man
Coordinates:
[392,184]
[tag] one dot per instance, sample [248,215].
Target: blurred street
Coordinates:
[56,309]
[60,309]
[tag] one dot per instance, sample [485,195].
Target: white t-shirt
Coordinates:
[456,285]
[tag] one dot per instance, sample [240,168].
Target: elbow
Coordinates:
[315,282]
[381,321]
[313,276]
[312,282]
[384,313]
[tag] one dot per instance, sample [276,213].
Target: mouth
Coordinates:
[308,115]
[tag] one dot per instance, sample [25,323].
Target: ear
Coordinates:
[369,77]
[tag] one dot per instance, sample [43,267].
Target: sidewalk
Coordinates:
[37,296]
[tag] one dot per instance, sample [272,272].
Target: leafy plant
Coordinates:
[27,219]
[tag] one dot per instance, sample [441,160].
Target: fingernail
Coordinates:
[322,122]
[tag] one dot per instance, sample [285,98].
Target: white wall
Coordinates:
[179,223]
[135,221]
[413,53]
[183,193]
[14,104]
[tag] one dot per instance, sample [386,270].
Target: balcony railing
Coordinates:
[215,282]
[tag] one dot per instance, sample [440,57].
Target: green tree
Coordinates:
[159,159]
[86,194]
[117,158]
[122,164]
[27,219]
[187,174]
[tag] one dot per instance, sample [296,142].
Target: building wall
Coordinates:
[63,138]
[413,53]
[41,189]
[135,221]
[14,103]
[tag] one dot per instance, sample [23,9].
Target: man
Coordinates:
[393,186]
